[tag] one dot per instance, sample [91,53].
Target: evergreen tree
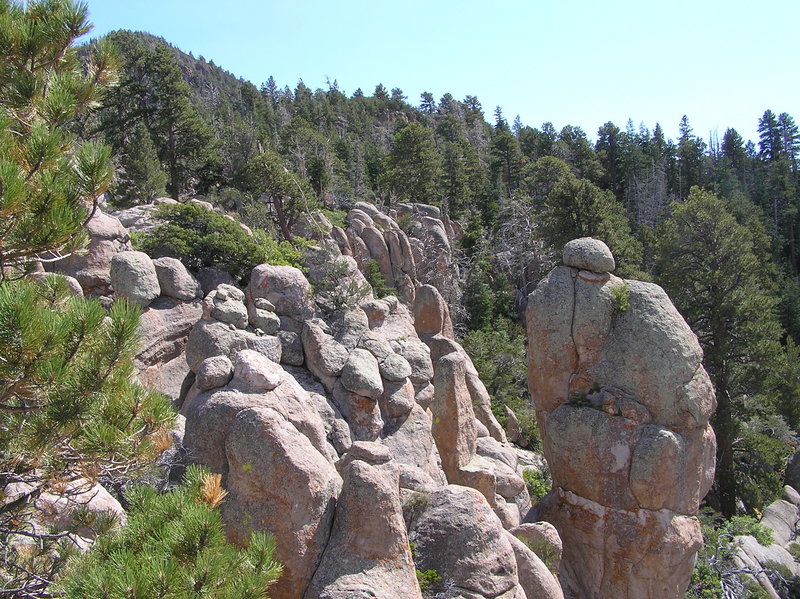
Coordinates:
[47,179]
[413,166]
[713,269]
[173,546]
[769,137]
[153,91]
[68,407]
[140,179]
[690,159]
[505,152]
[573,207]
[288,195]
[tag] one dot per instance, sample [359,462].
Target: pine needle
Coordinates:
[212,492]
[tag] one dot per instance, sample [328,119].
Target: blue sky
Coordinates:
[577,62]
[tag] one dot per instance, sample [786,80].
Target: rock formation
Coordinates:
[329,423]
[623,403]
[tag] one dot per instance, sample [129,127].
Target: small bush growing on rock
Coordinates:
[199,237]
[622,298]
[538,483]
[428,580]
[174,546]
[372,272]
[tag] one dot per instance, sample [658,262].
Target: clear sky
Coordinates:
[578,62]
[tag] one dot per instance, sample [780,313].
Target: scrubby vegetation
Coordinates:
[173,546]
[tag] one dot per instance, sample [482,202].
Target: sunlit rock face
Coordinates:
[623,404]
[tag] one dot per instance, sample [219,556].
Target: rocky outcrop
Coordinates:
[91,267]
[623,405]
[434,326]
[368,554]
[456,534]
[358,394]
[758,561]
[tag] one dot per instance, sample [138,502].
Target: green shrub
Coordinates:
[199,237]
[174,546]
[335,217]
[429,580]
[538,482]
[622,297]
[372,272]
[713,575]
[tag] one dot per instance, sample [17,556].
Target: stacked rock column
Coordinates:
[623,404]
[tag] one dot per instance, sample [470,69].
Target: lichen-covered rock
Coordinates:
[361,374]
[213,338]
[278,482]
[623,382]
[587,253]
[226,304]
[431,314]
[368,554]
[459,536]
[284,286]
[134,278]
[325,357]
[453,419]
[175,281]
[214,372]
[163,333]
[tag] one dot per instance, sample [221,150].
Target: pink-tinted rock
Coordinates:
[623,405]
[278,482]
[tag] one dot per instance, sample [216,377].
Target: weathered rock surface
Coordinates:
[352,387]
[284,286]
[625,385]
[459,536]
[134,278]
[587,253]
[175,281]
[368,554]
[277,481]
[783,518]
[107,237]
[163,332]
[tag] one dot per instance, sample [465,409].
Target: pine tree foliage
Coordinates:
[68,408]
[173,547]
[48,178]
[712,266]
[66,400]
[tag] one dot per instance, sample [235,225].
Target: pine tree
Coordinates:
[413,165]
[140,179]
[173,546]
[713,268]
[68,407]
[287,194]
[47,179]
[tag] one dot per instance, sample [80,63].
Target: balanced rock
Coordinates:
[623,405]
[588,253]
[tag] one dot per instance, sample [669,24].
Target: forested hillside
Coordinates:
[714,221]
